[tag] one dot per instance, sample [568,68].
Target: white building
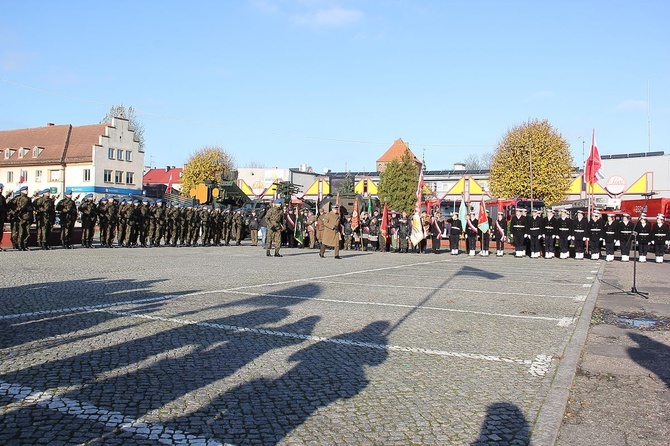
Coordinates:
[103,159]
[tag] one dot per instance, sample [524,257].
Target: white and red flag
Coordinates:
[592,171]
[169,185]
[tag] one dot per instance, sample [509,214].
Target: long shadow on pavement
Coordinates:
[265,410]
[505,424]
[652,355]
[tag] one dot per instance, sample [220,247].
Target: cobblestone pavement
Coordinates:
[227,346]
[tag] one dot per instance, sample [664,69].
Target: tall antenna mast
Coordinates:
[648,120]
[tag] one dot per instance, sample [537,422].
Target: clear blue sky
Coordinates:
[332,83]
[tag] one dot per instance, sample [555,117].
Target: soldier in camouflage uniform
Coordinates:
[157,223]
[227,226]
[103,220]
[113,218]
[238,227]
[24,216]
[275,221]
[45,213]
[68,216]
[89,216]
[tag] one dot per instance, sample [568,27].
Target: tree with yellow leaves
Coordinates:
[207,164]
[532,160]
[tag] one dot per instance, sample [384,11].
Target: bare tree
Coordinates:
[120,111]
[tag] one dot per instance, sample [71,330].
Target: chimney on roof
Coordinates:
[459,166]
[50,124]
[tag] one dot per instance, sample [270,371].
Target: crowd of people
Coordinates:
[132,222]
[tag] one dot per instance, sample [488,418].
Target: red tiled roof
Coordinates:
[162,176]
[396,151]
[82,140]
[51,138]
[76,142]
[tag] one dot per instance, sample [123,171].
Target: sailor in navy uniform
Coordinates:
[660,237]
[499,234]
[595,235]
[643,229]
[625,236]
[610,232]
[579,232]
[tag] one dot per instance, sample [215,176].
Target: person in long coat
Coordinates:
[331,231]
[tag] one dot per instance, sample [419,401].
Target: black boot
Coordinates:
[277,253]
[267,253]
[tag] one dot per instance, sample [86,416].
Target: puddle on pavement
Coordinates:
[637,323]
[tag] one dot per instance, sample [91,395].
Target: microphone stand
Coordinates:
[634,291]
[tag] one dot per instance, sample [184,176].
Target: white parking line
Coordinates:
[561,322]
[25,395]
[264,331]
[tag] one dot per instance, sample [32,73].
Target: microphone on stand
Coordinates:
[649,194]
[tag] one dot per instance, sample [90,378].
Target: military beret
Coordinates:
[45,191]
[2,186]
[278,201]
[68,191]
[136,201]
[160,200]
[87,196]
[22,188]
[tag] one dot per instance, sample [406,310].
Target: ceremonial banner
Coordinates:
[483,221]
[299,232]
[385,221]
[462,211]
[417,230]
[355,218]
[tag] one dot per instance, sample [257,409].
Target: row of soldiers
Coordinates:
[127,222]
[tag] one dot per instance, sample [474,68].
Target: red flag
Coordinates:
[22,176]
[385,221]
[169,185]
[483,220]
[593,163]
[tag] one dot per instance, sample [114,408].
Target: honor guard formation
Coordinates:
[132,222]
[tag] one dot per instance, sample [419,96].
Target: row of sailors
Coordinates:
[588,234]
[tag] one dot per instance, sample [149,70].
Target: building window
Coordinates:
[38,176]
[119,154]
[21,152]
[110,153]
[7,154]
[87,175]
[10,177]
[36,152]
[107,177]
[118,176]
[129,156]
[54,175]
[23,176]
[130,178]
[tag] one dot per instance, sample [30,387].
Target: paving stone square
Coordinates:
[223,345]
